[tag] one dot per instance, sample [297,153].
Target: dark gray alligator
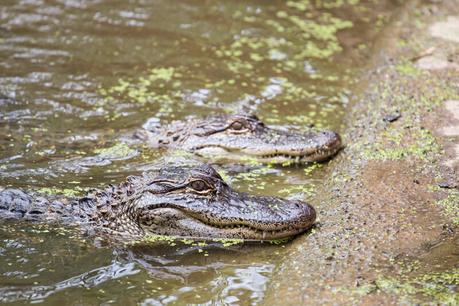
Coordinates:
[176,201]
[238,137]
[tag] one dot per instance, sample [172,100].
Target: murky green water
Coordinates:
[78,77]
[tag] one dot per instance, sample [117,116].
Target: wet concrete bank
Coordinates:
[389,211]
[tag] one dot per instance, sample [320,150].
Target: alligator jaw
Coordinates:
[299,148]
[275,156]
[183,224]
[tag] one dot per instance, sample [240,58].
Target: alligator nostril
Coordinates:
[330,134]
[331,137]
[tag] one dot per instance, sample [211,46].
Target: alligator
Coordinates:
[242,136]
[192,202]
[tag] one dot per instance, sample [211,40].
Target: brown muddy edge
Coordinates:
[389,208]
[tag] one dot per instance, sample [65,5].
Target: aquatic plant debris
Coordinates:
[300,37]
[119,151]
[438,286]
[73,192]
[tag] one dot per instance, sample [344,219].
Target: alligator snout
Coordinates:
[330,139]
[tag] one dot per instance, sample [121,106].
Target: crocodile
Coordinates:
[176,201]
[240,136]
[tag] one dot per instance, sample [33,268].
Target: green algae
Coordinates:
[323,30]
[304,35]
[407,68]
[224,175]
[309,169]
[307,190]
[426,289]
[162,73]
[396,144]
[450,206]
[140,87]
[437,287]
[304,5]
[335,3]
[279,241]
[153,239]
[292,91]
[74,192]
[318,34]
[253,175]
[175,241]
[117,151]
[153,87]
[407,137]
[227,242]
[449,203]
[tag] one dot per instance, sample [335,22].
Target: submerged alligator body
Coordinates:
[176,201]
[239,137]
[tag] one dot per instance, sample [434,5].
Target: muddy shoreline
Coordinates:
[389,209]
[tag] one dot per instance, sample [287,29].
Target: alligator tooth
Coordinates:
[264,234]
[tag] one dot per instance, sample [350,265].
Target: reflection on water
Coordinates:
[78,77]
[44,263]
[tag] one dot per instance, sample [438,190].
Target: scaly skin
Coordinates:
[178,202]
[239,137]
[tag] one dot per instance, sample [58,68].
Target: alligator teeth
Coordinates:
[275,155]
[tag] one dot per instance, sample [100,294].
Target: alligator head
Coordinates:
[243,136]
[195,203]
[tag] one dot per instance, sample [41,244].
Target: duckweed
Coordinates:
[75,191]
[437,287]
[397,144]
[450,206]
[228,242]
[408,69]
[118,151]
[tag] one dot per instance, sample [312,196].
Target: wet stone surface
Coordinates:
[388,229]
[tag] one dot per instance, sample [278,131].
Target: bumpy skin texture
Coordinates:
[16,204]
[241,136]
[179,202]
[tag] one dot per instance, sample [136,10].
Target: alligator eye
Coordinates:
[199,185]
[236,125]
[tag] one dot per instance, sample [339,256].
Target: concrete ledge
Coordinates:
[389,209]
